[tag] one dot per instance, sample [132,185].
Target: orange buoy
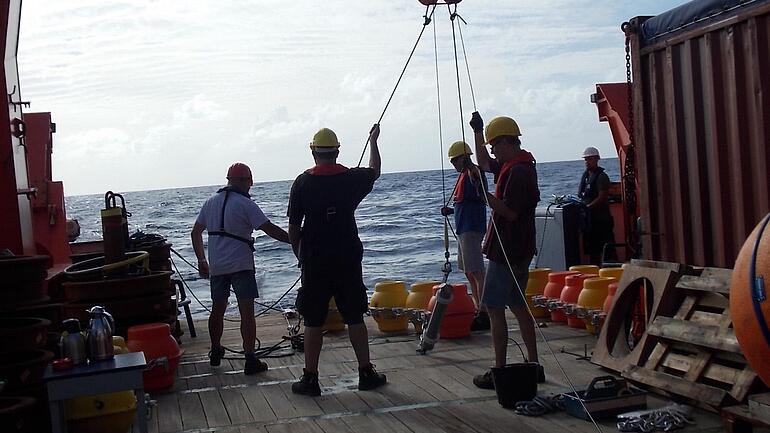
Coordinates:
[573,285]
[749,304]
[459,313]
[611,290]
[155,340]
[552,291]
[538,278]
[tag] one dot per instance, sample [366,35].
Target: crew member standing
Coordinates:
[324,235]
[510,240]
[597,222]
[470,211]
[230,216]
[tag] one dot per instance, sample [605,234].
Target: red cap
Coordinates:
[239,169]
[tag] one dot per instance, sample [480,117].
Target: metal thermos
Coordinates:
[100,334]
[72,343]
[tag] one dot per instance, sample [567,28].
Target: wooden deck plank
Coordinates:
[168,413]
[236,407]
[191,409]
[214,409]
[257,403]
[334,425]
[294,427]
[448,421]
[279,402]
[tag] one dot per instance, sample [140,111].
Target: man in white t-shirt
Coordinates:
[230,216]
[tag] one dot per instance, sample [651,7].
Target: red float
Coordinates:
[155,340]
[749,305]
[552,291]
[573,285]
[459,314]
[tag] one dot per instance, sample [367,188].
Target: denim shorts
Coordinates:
[244,284]
[500,289]
[469,257]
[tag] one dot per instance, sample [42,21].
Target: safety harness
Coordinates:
[222,232]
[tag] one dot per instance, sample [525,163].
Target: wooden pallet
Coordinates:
[694,353]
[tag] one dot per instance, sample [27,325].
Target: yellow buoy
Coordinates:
[593,295]
[585,269]
[419,296]
[538,278]
[615,273]
[390,294]
[334,322]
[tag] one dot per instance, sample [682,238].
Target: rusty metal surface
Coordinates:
[702,106]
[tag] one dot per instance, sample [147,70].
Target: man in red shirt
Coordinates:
[510,239]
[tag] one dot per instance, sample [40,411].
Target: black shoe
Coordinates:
[215,356]
[253,365]
[368,378]
[484,381]
[540,374]
[307,384]
[480,322]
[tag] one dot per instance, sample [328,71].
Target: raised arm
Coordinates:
[482,156]
[374,151]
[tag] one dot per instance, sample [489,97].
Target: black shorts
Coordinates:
[321,281]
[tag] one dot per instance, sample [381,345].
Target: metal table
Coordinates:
[124,372]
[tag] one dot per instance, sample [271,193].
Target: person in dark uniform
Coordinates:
[597,222]
[324,235]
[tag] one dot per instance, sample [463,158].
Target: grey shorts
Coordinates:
[244,284]
[469,256]
[500,290]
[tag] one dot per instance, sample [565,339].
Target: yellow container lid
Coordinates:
[539,272]
[390,286]
[611,272]
[424,286]
[585,269]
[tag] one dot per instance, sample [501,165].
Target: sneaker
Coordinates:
[253,365]
[368,378]
[484,381]
[480,322]
[540,374]
[215,356]
[307,384]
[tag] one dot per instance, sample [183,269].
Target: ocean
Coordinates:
[399,224]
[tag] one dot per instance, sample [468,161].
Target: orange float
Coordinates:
[749,303]
[573,285]
[552,292]
[611,290]
[459,313]
[155,340]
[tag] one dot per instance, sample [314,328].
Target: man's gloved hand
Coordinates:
[477,123]
[446,211]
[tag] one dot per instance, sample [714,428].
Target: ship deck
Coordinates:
[425,393]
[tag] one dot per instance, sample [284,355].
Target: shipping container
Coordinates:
[701,99]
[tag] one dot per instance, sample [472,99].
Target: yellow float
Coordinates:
[538,278]
[419,296]
[334,321]
[390,294]
[105,413]
[585,269]
[592,298]
[615,273]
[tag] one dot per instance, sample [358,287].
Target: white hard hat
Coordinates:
[590,151]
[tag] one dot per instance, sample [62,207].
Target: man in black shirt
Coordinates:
[324,236]
[598,223]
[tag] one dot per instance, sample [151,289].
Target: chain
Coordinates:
[629,176]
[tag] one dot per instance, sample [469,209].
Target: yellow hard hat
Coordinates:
[500,126]
[325,140]
[459,148]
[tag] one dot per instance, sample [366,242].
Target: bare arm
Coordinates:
[294,236]
[275,232]
[374,152]
[196,235]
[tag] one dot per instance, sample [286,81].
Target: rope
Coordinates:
[440,122]
[428,19]
[457,70]
[465,57]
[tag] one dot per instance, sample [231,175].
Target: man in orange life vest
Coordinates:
[510,239]
[470,213]
[324,235]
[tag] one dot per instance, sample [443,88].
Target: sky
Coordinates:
[154,94]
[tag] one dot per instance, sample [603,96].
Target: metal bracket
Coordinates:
[15,104]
